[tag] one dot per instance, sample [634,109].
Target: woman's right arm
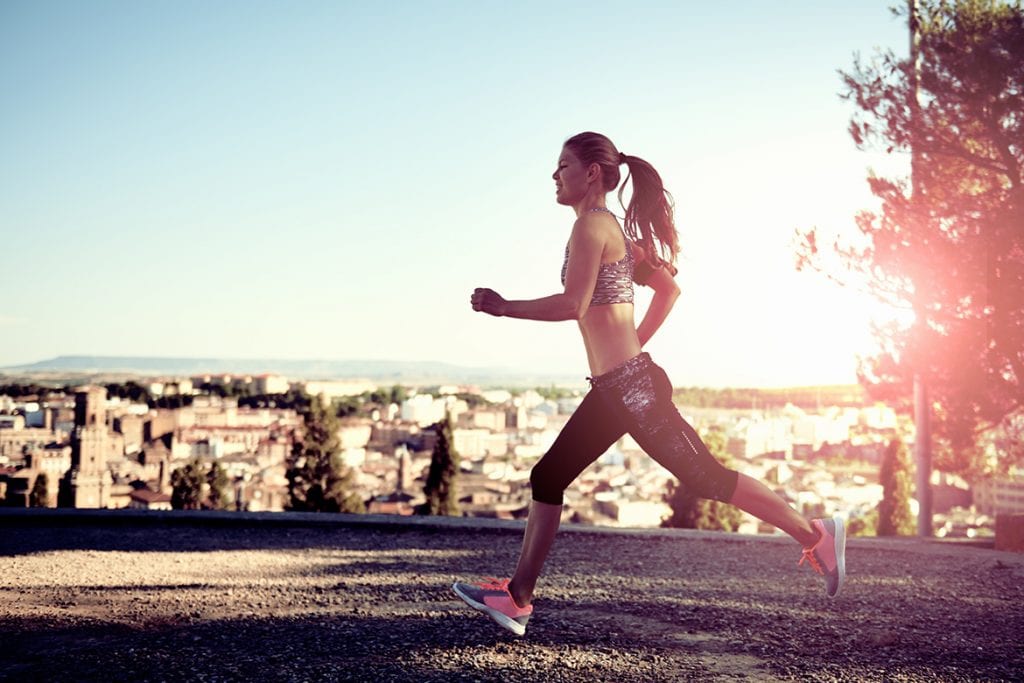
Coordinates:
[585,248]
[666,291]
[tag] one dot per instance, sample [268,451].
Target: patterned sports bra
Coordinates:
[614,280]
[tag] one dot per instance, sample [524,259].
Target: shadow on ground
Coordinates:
[364,603]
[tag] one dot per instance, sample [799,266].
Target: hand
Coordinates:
[488,301]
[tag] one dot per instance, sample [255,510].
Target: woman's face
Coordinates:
[570,179]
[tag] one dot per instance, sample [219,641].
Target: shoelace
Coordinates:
[808,555]
[493,584]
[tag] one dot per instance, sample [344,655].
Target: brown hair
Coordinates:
[648,220]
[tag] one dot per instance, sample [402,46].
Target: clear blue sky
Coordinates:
[331,180]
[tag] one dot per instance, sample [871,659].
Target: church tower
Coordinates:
[88,482]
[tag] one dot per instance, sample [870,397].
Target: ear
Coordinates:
[593,172]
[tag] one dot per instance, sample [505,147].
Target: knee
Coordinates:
[717,483]
[545,485]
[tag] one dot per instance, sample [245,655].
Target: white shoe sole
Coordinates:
[840,548]
[501,619]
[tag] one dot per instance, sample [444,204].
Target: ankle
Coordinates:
[521,597]
[812,536]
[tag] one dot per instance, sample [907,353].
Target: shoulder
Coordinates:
[592,221]
[590,229]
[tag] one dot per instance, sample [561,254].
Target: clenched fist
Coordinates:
[488,301]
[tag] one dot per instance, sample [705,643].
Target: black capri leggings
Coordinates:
[635,397]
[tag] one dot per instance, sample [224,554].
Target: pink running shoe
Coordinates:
[491,596]
[828,555]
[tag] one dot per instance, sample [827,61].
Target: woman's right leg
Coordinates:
[591,430]
[754,497]
[643,394]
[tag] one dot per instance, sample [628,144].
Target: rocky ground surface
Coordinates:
[166,602]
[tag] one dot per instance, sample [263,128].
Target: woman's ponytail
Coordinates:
[648,220]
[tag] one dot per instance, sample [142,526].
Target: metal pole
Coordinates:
[923,457]
[922,412]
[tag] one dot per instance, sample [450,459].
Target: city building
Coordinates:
[270,384]
[423,409]
[333,389]
[144,499]
[88,483]
[17,440]
[1000,495]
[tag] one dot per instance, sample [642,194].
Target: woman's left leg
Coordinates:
[590,431]
[541,528]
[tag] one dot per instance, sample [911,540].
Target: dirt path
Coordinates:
[318,604]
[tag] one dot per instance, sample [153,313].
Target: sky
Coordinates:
[330,180]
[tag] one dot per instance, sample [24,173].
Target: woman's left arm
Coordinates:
[666,291]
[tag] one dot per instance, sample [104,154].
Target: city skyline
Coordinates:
[330,182]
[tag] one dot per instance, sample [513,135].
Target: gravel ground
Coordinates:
[168,602]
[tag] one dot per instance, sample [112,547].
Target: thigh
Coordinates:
[590,431]
[657,426]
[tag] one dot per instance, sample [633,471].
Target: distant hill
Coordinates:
[383,371]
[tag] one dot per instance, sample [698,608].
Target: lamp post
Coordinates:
[922,410]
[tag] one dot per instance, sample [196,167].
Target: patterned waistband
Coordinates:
[623,371]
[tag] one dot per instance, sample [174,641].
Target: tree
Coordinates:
[39,496]
[187,486]
[398,394]
[217,483]
[318,480]
[441,487]
[864,525]
[894,517]
[691,512]
[949,244]
[295,398]
[382,396]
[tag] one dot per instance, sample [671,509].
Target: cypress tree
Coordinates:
[39,496]
[441,486]
[217,480]
[187,486]
[894,517]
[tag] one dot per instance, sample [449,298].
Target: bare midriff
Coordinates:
[609,333]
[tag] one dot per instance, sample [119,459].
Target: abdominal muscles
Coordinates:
[609,334]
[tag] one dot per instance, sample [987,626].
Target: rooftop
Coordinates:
[119,595]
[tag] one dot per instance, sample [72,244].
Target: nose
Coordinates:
[554,176]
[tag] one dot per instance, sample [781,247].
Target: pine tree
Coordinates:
[947,242]
[691,512]
[40,494]
[318,480]
[217,482]
[441,486]
[187,486]
[894,517]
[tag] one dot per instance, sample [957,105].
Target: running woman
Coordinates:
[629,392]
